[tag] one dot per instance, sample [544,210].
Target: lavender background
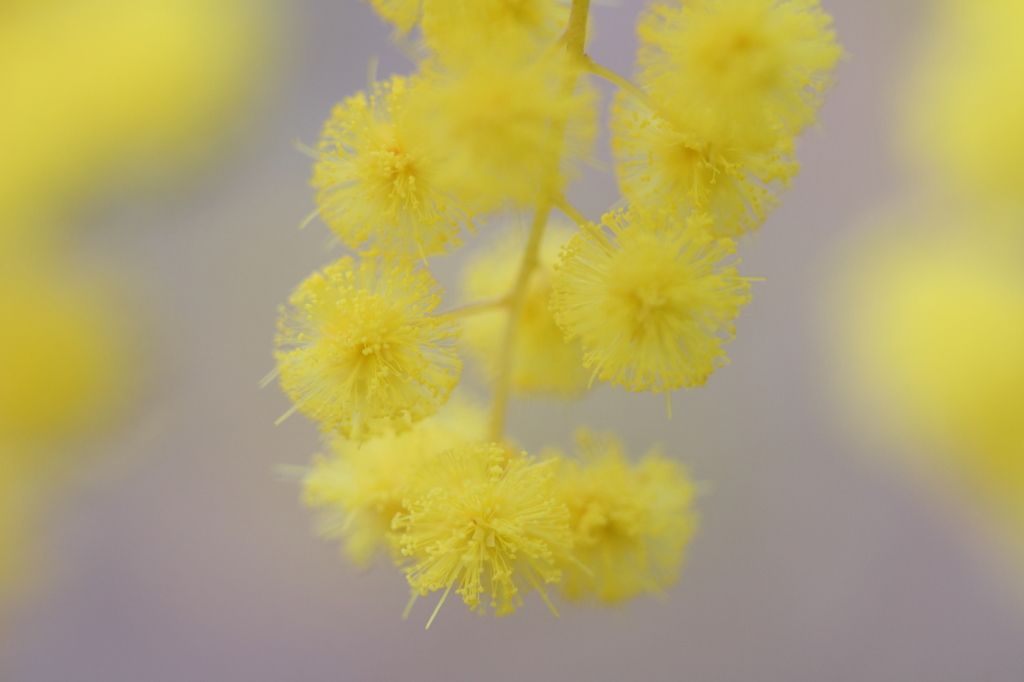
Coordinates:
[187,556]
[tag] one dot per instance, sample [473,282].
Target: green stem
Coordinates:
[575,39]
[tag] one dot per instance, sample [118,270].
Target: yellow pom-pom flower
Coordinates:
[65,365]
[746,65]
[457,30]
[486,522]
[376,178]
[932,325]
[357,348]
[651,302]
[965,106]
[662,162]
[90,86]
[494,118]
[631,522]
[542,361]
[361,486]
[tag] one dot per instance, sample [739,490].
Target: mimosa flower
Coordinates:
[486,522]
[361,486]
[631,522]
[357,348]
[650,303]
[665,164]
[494,120]
[376,178]
[745,65]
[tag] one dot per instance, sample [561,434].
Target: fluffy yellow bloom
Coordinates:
[631,522]
[361,486]
[92,86]
[357,348]
[376,178]
[663,162]
[650,302]
[933,331]
[542,361]
[493,119]
[65,364]
[486,522]
[459,31]
[745,65]
[965,105]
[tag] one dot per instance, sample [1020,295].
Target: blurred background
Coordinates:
[862,519]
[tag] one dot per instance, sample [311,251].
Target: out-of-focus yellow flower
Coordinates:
[65,365]
[965,104]
[486,521]
[376,177]
[90,86]
[663,162]
[361,486]
[357,348]
[651,303]
[492,121]
[631,522]
[542,361]
[459,31]
[743,65]
[931,324]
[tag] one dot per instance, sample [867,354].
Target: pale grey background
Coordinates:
[191,559]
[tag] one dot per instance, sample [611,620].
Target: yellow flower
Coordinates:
[743,65]
[662,163]
[94,86]
[494,121]
[631,522]
[651,303]
[65,364]
[487,521]
[932,324]
[357,349]
[376,178]
[965,105]
[542,361]
[361,485]
[461,31]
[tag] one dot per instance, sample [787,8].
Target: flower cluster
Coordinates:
[496,121]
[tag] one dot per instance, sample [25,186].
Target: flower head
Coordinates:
[361,486]
[542,361]
[650,302]
[357,348]
[402,13]
[663,162]
[631,522]
[459,31]
[486,521]
[494,120]
[747,65]
[376,178]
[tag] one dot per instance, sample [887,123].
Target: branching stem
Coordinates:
[575,38]
[622,82]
